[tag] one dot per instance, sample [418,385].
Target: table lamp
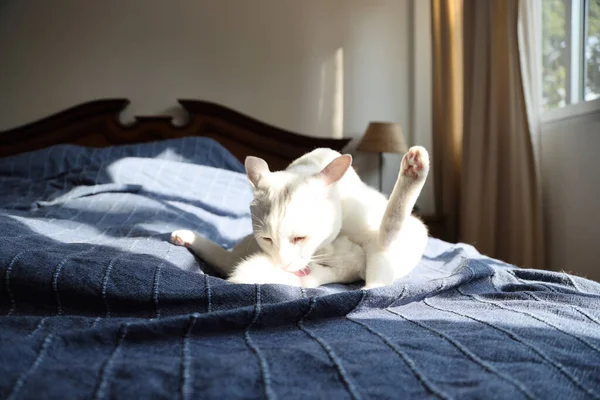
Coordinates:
[383,137]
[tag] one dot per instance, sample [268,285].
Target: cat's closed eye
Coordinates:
[297,239]
[267,239]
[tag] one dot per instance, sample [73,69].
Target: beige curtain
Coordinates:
[485,174]
[447,111]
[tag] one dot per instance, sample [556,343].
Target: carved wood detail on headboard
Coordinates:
[96,124]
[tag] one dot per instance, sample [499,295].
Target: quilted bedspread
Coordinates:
[96,304]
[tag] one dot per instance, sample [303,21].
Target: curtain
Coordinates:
[486,178]
[447,111]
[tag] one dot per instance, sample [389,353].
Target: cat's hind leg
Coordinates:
[402,238]
[413,173]
[384,266]
[216,256]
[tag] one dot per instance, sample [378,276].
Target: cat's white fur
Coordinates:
[318,213]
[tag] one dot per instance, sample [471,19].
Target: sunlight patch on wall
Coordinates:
[338,95]
[331,96]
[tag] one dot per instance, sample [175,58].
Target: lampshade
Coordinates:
[383,137]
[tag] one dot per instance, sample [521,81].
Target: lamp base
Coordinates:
[381,172]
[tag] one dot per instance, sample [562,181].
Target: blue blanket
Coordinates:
[95,303]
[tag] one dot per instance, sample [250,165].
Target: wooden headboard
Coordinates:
[96,124]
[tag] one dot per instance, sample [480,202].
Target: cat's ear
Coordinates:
[255,169]
[335,170]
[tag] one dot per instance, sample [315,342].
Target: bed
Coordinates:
[95,302]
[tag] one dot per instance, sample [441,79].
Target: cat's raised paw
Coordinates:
[415,163]
[182,237]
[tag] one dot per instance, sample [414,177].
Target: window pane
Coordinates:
[554,54]
[592,51]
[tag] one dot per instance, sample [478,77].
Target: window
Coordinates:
[570,52]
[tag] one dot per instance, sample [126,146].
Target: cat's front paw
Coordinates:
[247,276]
[415,163]
[182,237]
[259,269]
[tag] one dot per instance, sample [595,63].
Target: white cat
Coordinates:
[342,261]
[316,222]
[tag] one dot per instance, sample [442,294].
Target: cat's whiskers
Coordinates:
[256,217]
[331,259]
[257,235]
[329,253]
[328,257]
[327,260]
[321,255]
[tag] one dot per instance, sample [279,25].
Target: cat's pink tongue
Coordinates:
[302,272]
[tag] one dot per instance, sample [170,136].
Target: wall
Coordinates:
[570,166]
[323,68]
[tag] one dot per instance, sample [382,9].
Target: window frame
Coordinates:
[576,67]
